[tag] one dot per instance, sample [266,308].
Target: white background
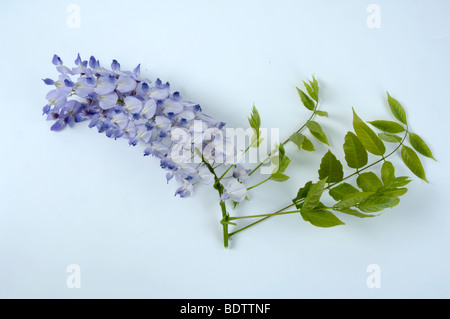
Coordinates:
[77,197]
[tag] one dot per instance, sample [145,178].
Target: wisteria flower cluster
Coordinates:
[193,147]
[123,104]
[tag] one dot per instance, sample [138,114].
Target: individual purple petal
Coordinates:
[181,136]
[159,93]
[168,164]
[185,190]
[142,89]
[118,134]
[224,196]
[46,109]
[144,134]
[149,126]
[115,66]
[125,84]
[185,115]
[78,60]
[169,176]
[80,117]
[205,176]
[137,71]
[90,80]
[120,120]
[84,86]
[149,109]
[80,66]
[133,140]
[157,149]
[93,62]
[95,121]
[176,96]
[108,101]
[104,126]
[48,81]
[63,69]
[56,60]
[69,83]
[72,106]
[185,172]
[171,106]
[105,85]
[130,130]
[197,108]
[235,191]
[56,97]
[241,173]
[163,123]
[132,104]
[58,125]
[93,96]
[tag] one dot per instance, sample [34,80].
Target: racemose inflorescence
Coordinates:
[195,148]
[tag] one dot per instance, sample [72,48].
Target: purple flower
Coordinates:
[105,85]
[241,173]
[186,189]
[124,105]
[234,190]
[125,84]
[108,101]
[132,105]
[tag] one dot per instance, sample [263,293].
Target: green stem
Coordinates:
[224,173]
[223,207]
[258,221]
[262,182]
[264,215]
[224,223]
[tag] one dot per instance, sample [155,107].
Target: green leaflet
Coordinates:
[307,102]
[397,109]
[388,126]
[279,177]
[297,138]
[321,113]
[254,142]
[377,202]
[387,173]
[283,160]
[338,192]
[390,138]
[351,200]
[369,182]
[310,90]
[367,136]
[353,212]
[400,181]
[302,192]
[255,123]
[314,194]
[317,132]
[307,145]
[313,89]
[397,192]
[420,146]
[321,218]
[412,161]
[331,167]
[355,153]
